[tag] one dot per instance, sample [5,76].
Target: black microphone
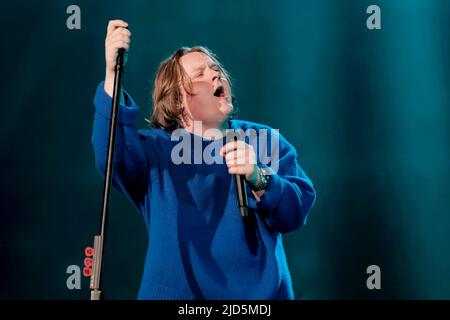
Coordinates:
[240,184]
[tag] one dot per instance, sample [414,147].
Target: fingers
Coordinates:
[238,153]
[239,170]
[233,145]
[240,157]
[119,34]
[119,38]
[113,24]
[121,44]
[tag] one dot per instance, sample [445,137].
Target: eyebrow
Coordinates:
[202,67]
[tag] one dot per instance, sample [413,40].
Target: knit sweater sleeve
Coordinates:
[131,163]
[289,195]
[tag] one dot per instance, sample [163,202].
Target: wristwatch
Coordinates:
[263,181]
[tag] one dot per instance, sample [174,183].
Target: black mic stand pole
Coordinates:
[100,239]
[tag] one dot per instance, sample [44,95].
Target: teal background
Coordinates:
[368,112]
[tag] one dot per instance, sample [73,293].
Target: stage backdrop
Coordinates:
[367,110]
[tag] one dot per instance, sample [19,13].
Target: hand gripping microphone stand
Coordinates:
[99,239]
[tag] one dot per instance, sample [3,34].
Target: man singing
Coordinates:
[199,245]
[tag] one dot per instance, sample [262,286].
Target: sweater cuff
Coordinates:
[270,198]
[103,102]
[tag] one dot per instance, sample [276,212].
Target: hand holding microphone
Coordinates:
[241,161]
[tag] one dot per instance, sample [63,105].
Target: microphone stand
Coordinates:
[100,239]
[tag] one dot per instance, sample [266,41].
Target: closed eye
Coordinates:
[215,67]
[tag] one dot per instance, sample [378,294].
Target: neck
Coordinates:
[208,131]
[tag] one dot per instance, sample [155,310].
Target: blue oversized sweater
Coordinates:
[199,247]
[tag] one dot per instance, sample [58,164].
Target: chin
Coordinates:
[226,109]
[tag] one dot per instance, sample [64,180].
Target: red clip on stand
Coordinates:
[88,261]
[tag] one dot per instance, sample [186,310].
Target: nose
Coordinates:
[216,76]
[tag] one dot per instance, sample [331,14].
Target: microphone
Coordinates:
[240,184]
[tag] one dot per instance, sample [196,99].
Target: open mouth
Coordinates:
[219,92]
